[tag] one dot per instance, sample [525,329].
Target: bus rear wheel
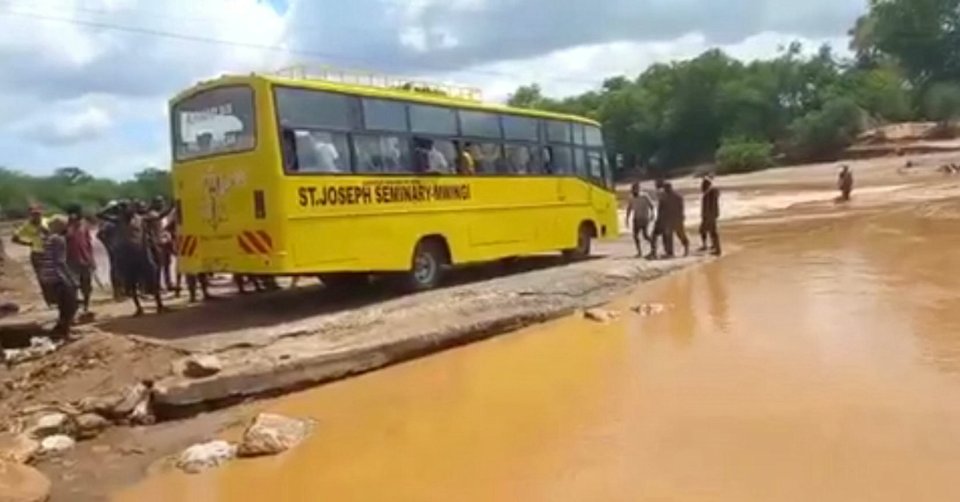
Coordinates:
[584,241]
[427,267]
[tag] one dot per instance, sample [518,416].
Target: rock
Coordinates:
[198,366]
[8,308]
[52,424]
[21,483]
[90,425]
[132,396]
[101,405]
[17,448]
[54,445]
[272,434]
[142,414]
[205,456]
[600,315]
[649,309]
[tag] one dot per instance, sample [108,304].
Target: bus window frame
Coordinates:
[254,116]
[457,139]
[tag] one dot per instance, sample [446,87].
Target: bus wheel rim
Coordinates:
[424,268]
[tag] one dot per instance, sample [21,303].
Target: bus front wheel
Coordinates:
[584,241]
[426,270]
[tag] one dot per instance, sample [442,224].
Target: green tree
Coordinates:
[942,103]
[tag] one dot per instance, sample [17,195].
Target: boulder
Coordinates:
[132,396]
[17,448]
[90,425]
[22,483]
[198,366]
[205,456]
[55,445]
[600,315]
[52,424]
[272,434]
[101,405]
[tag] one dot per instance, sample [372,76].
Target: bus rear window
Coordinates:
[214,122]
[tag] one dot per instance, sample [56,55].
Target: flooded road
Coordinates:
[821,361]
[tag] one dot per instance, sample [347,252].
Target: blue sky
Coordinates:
[81,83]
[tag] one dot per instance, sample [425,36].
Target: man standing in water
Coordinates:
[709,214]
[670,220]
[845,183]
[640,208]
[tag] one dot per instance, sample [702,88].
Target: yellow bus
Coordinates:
[295,176]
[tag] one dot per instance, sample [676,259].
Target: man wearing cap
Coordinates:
[32,234]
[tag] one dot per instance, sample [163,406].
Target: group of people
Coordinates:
[665,211]
[139,242]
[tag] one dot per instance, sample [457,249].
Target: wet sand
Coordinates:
[818,361]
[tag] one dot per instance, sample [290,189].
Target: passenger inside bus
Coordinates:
[288,141]
[465,163]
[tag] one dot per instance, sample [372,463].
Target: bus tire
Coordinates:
[585,235]
[427,266]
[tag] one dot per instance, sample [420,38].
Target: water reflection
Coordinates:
[819,362]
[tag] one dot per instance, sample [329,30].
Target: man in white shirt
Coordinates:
[641,208]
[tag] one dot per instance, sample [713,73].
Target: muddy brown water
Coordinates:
[821,361]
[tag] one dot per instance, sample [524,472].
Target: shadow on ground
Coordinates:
[231,312]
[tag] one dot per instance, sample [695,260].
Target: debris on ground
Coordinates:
[271,434]
[649,309]
[22,483]
[204,456]
[52,424]
[600,315]
[40,346]
[90,425]
[198,366]
[55,445]
[17,448]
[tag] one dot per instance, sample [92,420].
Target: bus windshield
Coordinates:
[214,122]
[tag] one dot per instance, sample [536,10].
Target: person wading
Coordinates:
[845,183]
[709,214]
[640,208]
[80,253]
[59,285]
[670,221]
[32,234]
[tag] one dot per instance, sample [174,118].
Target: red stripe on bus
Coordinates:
[266,238]
[192,246]
[261,247]
[243,244]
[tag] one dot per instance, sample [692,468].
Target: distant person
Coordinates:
[80,257]
[201,280]
[33,234]
[670,222]
[709,214]
[845,183]
[108,236]
[639,216]
[59,285]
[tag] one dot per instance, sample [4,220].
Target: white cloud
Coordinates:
[75,90]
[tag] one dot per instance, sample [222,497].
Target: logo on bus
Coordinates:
[216,188]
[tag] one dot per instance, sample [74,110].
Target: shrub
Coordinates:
[743,155]
[823,134]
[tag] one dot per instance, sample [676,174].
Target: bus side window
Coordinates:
[322,152]
[288,143]
[488,158]
[433,156]
[381,153]
[521,159]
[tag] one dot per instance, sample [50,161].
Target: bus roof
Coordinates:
[378,92]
